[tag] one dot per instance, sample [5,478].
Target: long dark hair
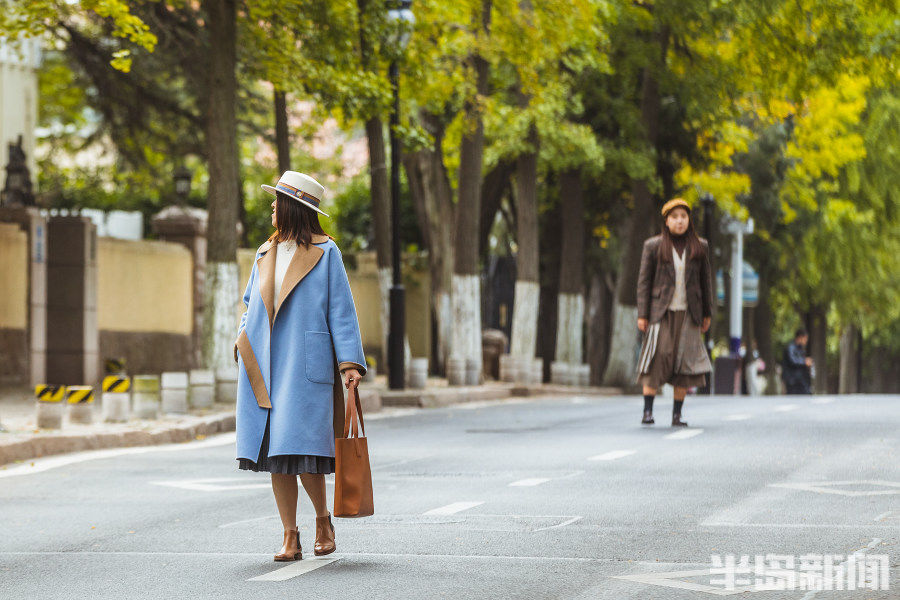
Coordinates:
[694,247]
[294,221]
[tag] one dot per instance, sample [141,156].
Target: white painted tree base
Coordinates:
[444,315]
[466,319]
[624,346]
[570,329]
[523,339]
[221,315]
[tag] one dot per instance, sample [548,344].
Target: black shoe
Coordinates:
[677,422]
[648,418]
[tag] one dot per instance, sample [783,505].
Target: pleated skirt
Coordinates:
[288,464]
[657,359]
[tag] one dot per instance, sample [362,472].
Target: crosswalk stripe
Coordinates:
[613,455]
[529,482]
[736,417]
[297,567]
[683,434]
[453,508]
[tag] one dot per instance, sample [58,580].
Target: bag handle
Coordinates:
[354,414]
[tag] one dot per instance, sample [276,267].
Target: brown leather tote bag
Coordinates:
[353,477]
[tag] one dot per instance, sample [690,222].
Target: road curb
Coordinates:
[49,444]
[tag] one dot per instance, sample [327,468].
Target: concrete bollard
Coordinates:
[174,392]
[456,371]
[226,385]
[146,396]
[80,399]
[116,399]
[50,405]
[202,388]
[560,373]
[507,368]
[584,375]
[418,373]
[536,375]
[371,374]
[473,372]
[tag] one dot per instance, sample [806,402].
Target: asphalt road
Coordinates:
[535,498]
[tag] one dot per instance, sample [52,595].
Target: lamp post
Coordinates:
[400,18]
[182,177]
[709,204]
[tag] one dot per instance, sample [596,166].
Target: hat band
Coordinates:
[298,194]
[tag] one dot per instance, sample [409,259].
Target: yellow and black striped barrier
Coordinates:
[80,394]
[116,383]
[115,365]
[46,392]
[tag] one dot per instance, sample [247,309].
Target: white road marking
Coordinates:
[39,465]
[672,580]
[683,434]
[824,487]
[529,482]
[453,508]
[825,400]
[400,462]
[737,417]
[486,403]
[560,525]
[786,407]
[793,525]
[883,516]
[297,567]
[221,484]
[613,455]
[841,567]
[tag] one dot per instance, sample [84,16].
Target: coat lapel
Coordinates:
[303,261]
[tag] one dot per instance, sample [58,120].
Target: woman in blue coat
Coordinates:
[298,333]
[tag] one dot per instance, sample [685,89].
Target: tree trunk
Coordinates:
[817,325]
[432,198]
[600,305]
[221,289]
[494,188]
[623,353]
[525,308]
[282,138]
[466,294]
[570,322]
[849,360]
[381,219]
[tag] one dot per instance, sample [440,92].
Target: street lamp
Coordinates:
[182,177]
[401,19]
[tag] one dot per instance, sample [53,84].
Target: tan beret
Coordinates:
[673,203]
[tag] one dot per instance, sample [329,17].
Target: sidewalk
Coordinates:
[21,440]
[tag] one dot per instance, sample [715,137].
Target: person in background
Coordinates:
[796,366]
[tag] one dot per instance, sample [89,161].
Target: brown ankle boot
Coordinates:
[290,549]
[324,536]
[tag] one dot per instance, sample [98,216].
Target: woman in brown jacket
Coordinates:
[675,307]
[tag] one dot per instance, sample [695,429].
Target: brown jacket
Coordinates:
[656,284]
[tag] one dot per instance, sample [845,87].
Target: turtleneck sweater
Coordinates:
[679,298]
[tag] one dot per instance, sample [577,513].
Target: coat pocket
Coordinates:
[319,364]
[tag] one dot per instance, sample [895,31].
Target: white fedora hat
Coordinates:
[301,188]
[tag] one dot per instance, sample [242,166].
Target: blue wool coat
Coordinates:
[290,351]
